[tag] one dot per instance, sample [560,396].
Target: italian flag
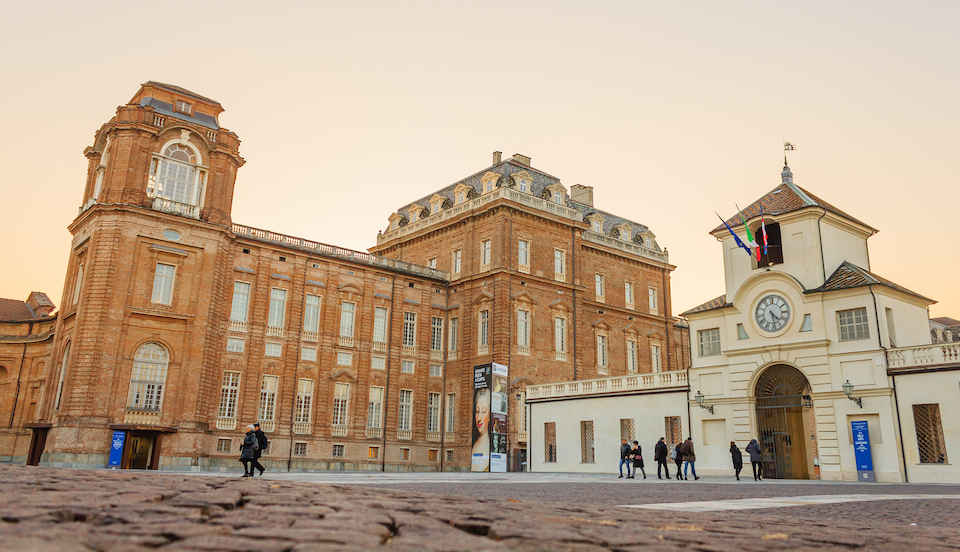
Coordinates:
[750,240]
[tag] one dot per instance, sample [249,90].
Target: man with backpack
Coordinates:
[262,442]
[689,458]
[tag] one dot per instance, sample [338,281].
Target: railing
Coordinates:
[159,121]
[302,428]
[451,355]
[619,384]
[923,355]
[524,268]
[523,350]
[345,341]
[433,436]
[521,436]
[629,247]
[238,326]
[268,427]
[176,208]
[408,350]
[338,430]
[561,355]
[374,433]
[212,136]
[339,252]
[436,355]
[379,346]
[227,424]
[404,434]
[560,276]
[483,349]
[449,437]
[273,331]
[142,417]
[504,193]
[312,337]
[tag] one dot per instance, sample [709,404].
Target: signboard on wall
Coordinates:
[116,449]
[490,420]
[861,450]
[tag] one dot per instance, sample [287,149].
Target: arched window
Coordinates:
[774,255]
[63,374]
[148,377]
[176,175]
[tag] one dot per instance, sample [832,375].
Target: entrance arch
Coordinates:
[783,421]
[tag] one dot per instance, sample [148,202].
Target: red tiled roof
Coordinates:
[712,304]
[786,198]
[849,276]
[946,321]
[12,309]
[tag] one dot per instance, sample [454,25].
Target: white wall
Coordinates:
[941,388]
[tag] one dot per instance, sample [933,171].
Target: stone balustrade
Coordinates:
[923,355]
[176,208]
[628,247]
[619,384]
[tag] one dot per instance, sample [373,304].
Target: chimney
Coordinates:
[522,159]
[497,157]
[40,304]
[582,194]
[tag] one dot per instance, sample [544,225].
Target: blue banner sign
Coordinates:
[861,450]
[116,449]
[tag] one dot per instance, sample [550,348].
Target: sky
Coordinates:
[349,110]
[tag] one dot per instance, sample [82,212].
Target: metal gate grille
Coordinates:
[774,417]
[628,429]
[674,431]
[550,442]
[930,434]
[586,442]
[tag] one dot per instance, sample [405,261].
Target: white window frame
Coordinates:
[436,334]
[523,255]
[235,344]
[407,366]
[267,408]
[308,354]
[229,390]
[380,316]
[560,335]
[857,325]
[484,329]
[241,301]
[457,261]
[559,262]
[409,329]
[303,414]
[375,407]
[311,313]
[524,321]
[344,358]
[603,353]
[347,318]
[601,289]
[278,308]
[452,334]
[632,360]
[271,349]
[405,410]
[451,413]
[77,284]
[628,293]
[148,377]
[653,299]
[341,402]
[436,370]
[433,411]
[656,360]
[378,363]
[709,342]
[486,249]
[64,364]
[163,283]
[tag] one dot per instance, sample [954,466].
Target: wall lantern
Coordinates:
[848,391]
[699,397]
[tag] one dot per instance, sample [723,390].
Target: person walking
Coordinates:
[660,455]
[689,458]
[737,459]
[261,446]
[247,450]
[624,458]
[756,459]
[637,454]
[677,459]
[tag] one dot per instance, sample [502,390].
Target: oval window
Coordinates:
[171,235]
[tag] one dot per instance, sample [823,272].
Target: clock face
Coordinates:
[772,313]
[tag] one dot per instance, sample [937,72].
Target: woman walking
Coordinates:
[737,459]
[755,460]
[637,459]
[248,451]
[677,459]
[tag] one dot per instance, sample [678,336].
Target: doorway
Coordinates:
[141,451]
[783,395]
[38,441]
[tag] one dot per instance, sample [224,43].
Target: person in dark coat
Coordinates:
[677,459]
[689,458]
[262,445]
[755,459]
[247,450]
[660,455]
[737,459]
[625,457]
[637,454]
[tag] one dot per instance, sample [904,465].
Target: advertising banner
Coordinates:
[861,450]
[490,422]
[116,449]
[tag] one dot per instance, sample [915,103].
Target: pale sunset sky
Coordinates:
[349,110]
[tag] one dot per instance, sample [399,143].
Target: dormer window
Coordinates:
[414,216]
[460,198]
[597,226]
[558,197]
[435,208]
[183,107]
[488,187]
[523,185]
[649,243]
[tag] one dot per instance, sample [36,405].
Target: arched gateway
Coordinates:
[784,422]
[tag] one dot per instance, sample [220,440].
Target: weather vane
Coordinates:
[787,146]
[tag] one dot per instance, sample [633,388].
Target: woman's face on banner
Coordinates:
[483,417]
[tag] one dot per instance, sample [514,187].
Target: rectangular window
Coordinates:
[652,299]
[406,366]
[433,455]
[344,358]
[228,394]
[304,401]
[378,363]
[272,349]
[602,351]
[457,257]
[523,328]
[311,314]
[484,328]
[559,261]
[380,325]
[628,429]
[709,341]
[560,334]
[523,253]
[742,332]
[278,307]
[373,453]
[375,408]
[234,345]
[631,355]
[485,253]
[224,445]
[404,454]
[433,412]
[341,394]
[337,451]
[183,107]
[451,413]
[299,449]
[268,398]
[453,334]
[449,455]
[628,293]
[309,354]
[432,263]
[436,370]
[586,442]
[163,284]
[405,410]
[409,329]
[436,334]
[600,288]
[77,284]
[673,429]
[241,301]
[550,442]
[933,449]
[853,324]
[347,311]
[655,358]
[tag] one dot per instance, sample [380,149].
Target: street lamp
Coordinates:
[699,397]
[848,391]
